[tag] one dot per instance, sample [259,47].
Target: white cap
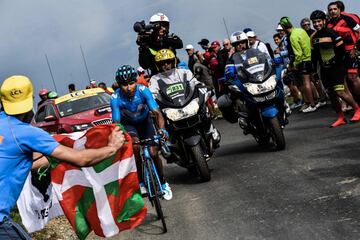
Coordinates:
[250,34]
[93,81]
[140,69]
[279,27]
[189,46]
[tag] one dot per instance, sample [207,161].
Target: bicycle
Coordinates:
[151,178]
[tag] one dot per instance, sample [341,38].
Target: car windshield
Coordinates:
[77,105]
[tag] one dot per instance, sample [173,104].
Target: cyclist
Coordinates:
[329,52]
[166,63]
[130,105]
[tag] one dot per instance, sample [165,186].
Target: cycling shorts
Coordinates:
[351,63]
[305,67]
[333,78]
[141,130]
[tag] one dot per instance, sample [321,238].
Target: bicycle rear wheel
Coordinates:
[156,190]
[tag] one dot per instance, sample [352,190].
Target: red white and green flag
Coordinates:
[104,198]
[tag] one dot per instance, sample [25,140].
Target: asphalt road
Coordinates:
[311,190]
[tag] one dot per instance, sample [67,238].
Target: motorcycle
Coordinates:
[189,123]
[258,99]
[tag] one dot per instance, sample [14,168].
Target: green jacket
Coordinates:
[300,43]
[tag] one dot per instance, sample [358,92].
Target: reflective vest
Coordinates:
[348,35]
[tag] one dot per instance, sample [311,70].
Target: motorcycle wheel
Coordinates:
[201,164]
[277,134]
[263,140]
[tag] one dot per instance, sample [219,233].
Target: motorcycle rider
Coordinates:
[157,39]
[239,41]
[168,73]
[43,94]
[130,105]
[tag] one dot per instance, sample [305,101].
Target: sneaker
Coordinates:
[167,191]
[143,190]
[340,121]
[356,116]
[309,109]
[321,104]
[303,106]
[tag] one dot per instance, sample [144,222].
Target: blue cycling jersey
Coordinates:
[132,109]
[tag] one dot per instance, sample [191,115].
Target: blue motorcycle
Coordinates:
[257,98]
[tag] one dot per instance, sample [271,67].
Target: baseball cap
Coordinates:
[93,82]
[250,34]
[279,28]
[203,41]
[16,94]
[140,69]
[215,44]
[189,46]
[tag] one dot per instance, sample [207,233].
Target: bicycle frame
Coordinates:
[145,159]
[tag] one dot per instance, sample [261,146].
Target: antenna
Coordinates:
[87,70]
[226,28]
[52,76]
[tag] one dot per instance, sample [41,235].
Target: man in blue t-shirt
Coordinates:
[131,104]
[20,143]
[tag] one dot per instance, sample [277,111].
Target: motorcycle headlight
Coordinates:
[175,114]
[259,88]
[80,127]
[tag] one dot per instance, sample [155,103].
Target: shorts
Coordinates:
[290,78]
[351,63]
[305,67]
[333,77]
[141,130]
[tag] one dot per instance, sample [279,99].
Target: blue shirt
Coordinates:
[16,157]
[132,109]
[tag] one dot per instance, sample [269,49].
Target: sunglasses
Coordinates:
[238,43]
[226,44]
[166,62]
[306,24]
[127,84]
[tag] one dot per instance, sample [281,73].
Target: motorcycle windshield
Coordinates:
[256,68]
[176,94]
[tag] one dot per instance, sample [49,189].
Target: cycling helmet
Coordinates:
[52,95]
[237,37]
[318,14]
[125,74]
[43,92]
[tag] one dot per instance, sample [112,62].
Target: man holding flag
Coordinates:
[20,143]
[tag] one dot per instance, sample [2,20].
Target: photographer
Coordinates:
[154,37]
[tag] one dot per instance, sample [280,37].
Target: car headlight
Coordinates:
[81,127]
[175,114]
[259,88]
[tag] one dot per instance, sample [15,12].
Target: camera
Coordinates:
[142,29]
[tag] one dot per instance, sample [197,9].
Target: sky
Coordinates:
[104,30]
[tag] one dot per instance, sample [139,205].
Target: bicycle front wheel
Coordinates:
[156,190]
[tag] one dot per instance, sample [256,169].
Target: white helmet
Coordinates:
[159,17]
[237,37]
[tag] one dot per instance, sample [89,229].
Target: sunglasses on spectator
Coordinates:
[306,24]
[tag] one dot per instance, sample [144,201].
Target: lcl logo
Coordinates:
[15,92]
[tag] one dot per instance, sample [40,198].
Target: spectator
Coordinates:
[23,142]
[222,57]
[192,57]
[93,84]
[142,78]
[103,86]
[204,43]
[347,27]
[300,60]
[71,87]
[306,25]
[115,86]
[43,94]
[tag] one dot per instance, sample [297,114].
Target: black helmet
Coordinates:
[125,74]
[318,14]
